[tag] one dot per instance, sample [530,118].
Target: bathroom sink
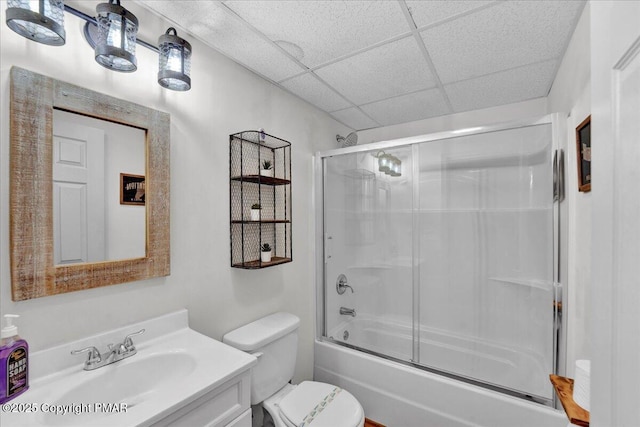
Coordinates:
[131,379]
[171,370]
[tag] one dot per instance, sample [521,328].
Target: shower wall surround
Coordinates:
[218,298]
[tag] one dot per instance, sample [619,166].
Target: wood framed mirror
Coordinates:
[33,99]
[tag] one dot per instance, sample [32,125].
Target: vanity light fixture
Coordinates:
[174,66]
[116,44]
[113,34]
[389,164]
[41,21]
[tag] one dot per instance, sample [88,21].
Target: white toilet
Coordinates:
[274,341]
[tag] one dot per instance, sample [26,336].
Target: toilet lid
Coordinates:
[321,405]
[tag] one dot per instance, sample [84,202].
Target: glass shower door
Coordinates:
[368,247]
[486,288]
[450,264]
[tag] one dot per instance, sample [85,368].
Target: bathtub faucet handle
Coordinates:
[341,285]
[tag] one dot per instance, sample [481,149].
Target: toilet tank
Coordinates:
[274,341]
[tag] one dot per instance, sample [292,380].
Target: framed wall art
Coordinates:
[583,145]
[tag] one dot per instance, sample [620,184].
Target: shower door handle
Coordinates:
[558,176]
[328,246]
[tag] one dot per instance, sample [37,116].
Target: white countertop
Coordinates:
[59,383]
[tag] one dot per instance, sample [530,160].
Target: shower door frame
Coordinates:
[558,134]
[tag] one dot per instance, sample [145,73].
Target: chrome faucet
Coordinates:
[115,353]
[348,311]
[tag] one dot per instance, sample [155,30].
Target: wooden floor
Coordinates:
[369,423]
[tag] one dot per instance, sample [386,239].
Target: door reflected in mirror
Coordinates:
[90,224]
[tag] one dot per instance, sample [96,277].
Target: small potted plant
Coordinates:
[267,168]
[265,252]
[255,212]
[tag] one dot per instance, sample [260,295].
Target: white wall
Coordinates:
[125,224]
[225,98]
[571,94]
[615,294]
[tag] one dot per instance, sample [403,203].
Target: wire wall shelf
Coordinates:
[260,199]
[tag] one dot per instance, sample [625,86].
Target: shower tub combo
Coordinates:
[437,278]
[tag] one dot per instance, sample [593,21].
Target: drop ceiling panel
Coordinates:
[309,88]
[211,24]
[354,118]
[508,35]
[389,70]
[407,108]
[363,54]
[502,88]
[324,30]
[429,12]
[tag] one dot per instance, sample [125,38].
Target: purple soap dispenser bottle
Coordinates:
[14,361]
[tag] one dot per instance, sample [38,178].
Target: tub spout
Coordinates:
[348,311]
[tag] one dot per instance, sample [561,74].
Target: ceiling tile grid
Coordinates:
[325,30]
[504,87]
[508,35]
[363,61]
[309,88]
[429,12]
[408,108]
[389,70]
[354,118]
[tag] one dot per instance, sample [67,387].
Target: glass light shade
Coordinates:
[41,21]
[392,162]
[395,167]
[117,31]
[384,163]
[174,68]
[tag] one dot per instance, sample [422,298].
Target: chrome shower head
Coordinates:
[351,139]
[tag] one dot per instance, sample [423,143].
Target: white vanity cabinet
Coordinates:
[225,406]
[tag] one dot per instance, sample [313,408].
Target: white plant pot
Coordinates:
[265,256]
[255,214]
[266,172]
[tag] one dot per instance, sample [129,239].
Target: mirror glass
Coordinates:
[56,253]
[98,190]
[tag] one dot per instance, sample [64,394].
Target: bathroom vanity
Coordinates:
[177,377]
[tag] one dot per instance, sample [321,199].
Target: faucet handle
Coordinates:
[128,342]
[94,354]
[119,349]
[341,285]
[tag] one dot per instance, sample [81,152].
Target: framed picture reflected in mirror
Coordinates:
[132,189]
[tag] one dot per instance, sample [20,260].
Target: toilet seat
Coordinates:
[324,405]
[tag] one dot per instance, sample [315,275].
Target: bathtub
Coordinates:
[398,394]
